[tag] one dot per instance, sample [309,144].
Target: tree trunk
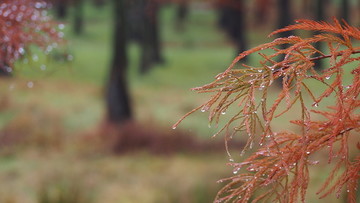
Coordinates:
[345,11]
[320,16]
[99,3]
[155,34]
[232,20]
[145,39]
[61,9]
[150,37]
[306,6]
[78,17]
[284,19]
[118,101]
[240,28]
[181,14]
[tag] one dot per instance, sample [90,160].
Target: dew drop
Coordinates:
[223,113]
[35,58]
[30,84]
[61,34]
[22,7]
[174,127]
[260,70]
[315,104]
[44,13]
[307,152]
[61,26]
[69,57]
[231,159]
[38,5]
[21,51]
[314,162]
[327,77]
[8,69]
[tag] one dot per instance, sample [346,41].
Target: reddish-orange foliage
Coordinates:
[279,169]
[24,23]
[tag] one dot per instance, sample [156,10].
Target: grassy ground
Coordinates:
[46,127]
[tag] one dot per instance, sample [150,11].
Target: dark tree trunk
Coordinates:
[345,11]
[320,16]
[99,3]
[232,20]
[240,28]
[155,35]
[306,6]
[284,19]
[78,17]
[118,101]
[150,37]
[61,9]
[182,12]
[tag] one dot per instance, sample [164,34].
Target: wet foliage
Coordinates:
[279,169]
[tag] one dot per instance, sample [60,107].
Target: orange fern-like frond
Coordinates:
[281,164]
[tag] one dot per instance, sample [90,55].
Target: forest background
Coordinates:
[56,140]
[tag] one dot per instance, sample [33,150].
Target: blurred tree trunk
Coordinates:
[61,8]
[150,36]
[284,19]
[118,100]
[78,17]
[345,11]
[320,16]
[155,33]
[240,28]
[306,6]
[232,20]
[182,12]
[99,3]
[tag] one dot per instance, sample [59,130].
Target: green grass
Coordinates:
[69,95]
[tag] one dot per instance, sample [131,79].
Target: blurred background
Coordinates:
[89,119]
